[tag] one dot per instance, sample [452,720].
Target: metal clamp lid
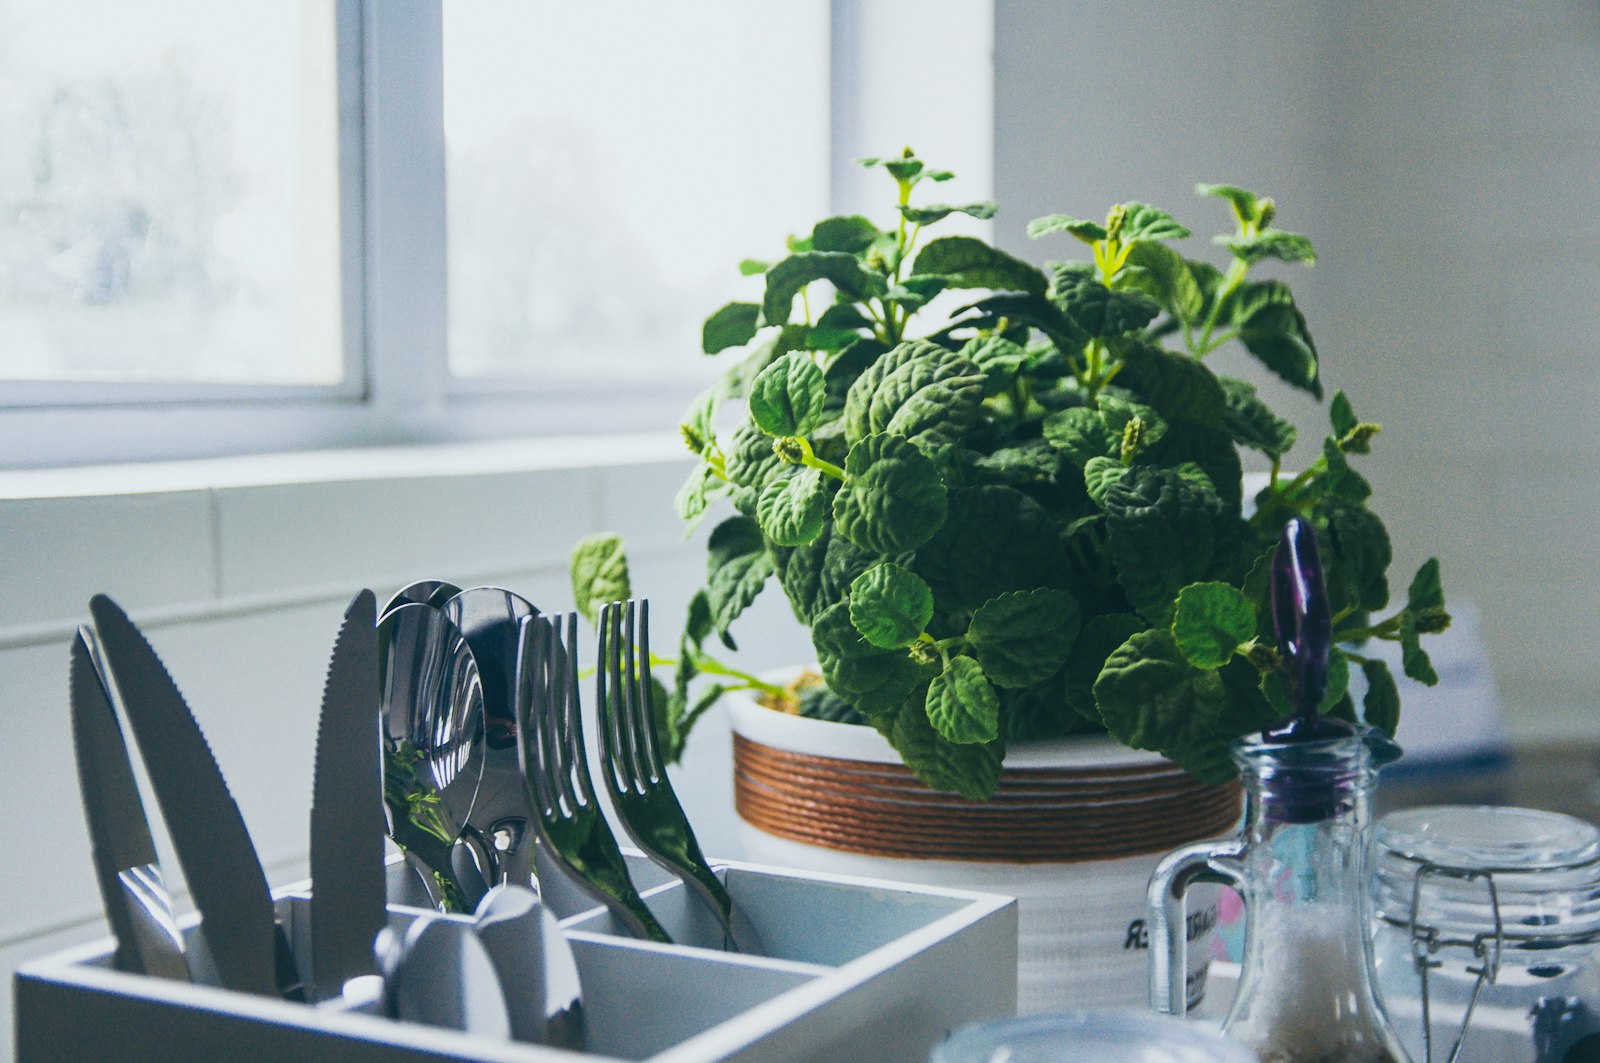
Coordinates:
[1427,940]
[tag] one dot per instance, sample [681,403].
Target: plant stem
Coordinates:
[1230,283]
[809,458]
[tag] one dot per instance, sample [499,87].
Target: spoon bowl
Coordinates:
[433,739]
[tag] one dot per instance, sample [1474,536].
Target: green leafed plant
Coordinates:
[1025,518]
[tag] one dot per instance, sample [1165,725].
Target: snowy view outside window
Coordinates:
[169,192]
[608,166]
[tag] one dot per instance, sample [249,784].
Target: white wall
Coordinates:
[1444,156]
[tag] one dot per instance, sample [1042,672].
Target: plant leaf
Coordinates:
[750,458]
[737,567]
[791,509]
[1413,658]
[1358,551]
[890,606]
[971,770]
[933,212]
[998,358]
[1211,621]
[1162,534]
[1099,473]
[1034,311]
[1426,590]
[787,278]
[1272,328]
[920,391]
[872,679]
[967,262]
[851,234]
[1096,309]
[818,574]
[1343,481]
[788,396]
[599,573]
[732,326]
[1161,273]
[1381,705]
[996,539]
[1246,204]
[1142,222]
[1117,411]
[893,498]
[1270,243]
[1087,231]
[1251,422]
[1152,698]
[1081,434]
[1179,387]
[962,705]
[1100,635]
[1023,637]
[702,488]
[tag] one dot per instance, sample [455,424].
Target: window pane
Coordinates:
[169,191]
[610,163]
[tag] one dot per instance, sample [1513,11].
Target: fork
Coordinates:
[567,817]
[634,774]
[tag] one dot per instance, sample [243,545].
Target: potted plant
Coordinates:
[1020,521]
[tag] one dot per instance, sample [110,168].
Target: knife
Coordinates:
[237,922]
[348,885]
[136,900]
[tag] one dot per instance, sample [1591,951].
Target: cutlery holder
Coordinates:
[859,969]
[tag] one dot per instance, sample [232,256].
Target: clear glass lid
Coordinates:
[1458,863]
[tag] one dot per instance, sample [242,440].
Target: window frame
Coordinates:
[397,387]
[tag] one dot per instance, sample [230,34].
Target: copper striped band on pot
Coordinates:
[1036,816]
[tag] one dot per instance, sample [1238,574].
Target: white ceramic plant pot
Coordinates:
[1073,832]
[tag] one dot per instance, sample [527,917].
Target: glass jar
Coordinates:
[1487,934]
[1089,1037]
[1301,867]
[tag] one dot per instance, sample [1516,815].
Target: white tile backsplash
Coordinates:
[146,549]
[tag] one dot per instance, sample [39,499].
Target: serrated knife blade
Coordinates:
[208,834]
[348,886]
[136,900]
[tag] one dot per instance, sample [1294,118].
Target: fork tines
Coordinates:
[625,697]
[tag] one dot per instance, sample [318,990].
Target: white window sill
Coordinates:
[353,464]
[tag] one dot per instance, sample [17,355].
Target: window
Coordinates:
[609,165]
[334,222]
[169,199]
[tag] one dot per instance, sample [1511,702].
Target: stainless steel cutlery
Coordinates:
[433,751]
[245,945]
[501,816]
[451,722]
[349,884]
[137,905]
[569,819]
[634,772]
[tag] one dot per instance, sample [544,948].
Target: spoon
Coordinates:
[488,618]
[434,592]
[538,973]
[432,712]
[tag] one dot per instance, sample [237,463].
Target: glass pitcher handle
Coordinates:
[1168,900]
